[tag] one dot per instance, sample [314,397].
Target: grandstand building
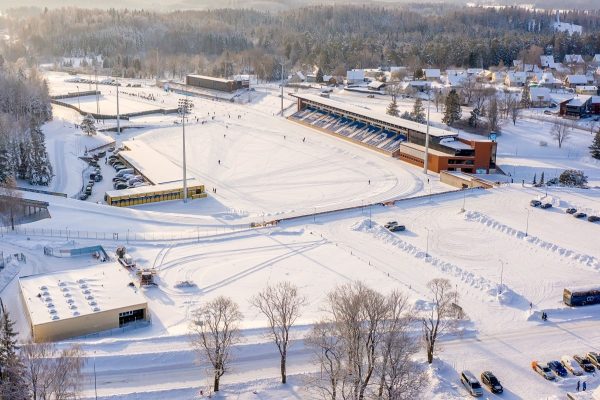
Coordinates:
[220,84]
[395,136]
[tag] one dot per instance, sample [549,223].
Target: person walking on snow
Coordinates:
[584,386]
[578,384]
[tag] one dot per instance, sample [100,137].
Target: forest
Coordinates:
[24,107]
[141,43]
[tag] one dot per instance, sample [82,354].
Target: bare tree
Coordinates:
[515,111]
[400,378]
[561,130]
[214,330]
[393,89]
[51,373]
[329,354]
[281,304]
[441,318]
[492,115]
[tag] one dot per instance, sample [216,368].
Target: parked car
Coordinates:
[547,112]
[97,178]
[490,380]
[111,149]
[92,175]
[594,358]
[571,365]
[593,218]
[546,205]
[91,182]
[120,167]
[389,224]
[584,363]
[125,171]
[398,228]
[580,215]
[571,210]
[558,368]
[120,185]
[535,203]
[543,370]
[471,384]
[83,196]
[88,190]
[93,163]
[102,154]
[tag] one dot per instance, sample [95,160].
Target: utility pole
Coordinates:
[78,103]
[501,274]
[426,161]
[185,106]
[118,116]
[527,225]
[282,65]
[97,94]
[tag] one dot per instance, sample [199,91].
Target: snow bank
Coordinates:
[585,259]
[504,296]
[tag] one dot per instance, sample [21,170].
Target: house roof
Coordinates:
[577,79]
[573,58]
[579,101]
[547,61]
[535,93]
[432,73]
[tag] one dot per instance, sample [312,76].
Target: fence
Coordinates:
[41,191]
[71,95]
[125,116]
[90,250]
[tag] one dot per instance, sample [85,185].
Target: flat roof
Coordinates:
[154,166]
[151,188]
[211,78]
[70,294]
[384,118]
[422,149]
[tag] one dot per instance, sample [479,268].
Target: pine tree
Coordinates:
[474,118]
[525,97]
[595,147]
[452,112]
[542,179]
[418,113]
[5,164]
[319,75]
[24,159]
[392,108]
[534,179]
[88,125]
[41,169]
[12,371]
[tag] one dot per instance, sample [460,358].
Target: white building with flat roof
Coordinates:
[66,304]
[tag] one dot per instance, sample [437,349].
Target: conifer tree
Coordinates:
[452,112]
[12,383]
[525,97]
[595,147]
[534,179]
[542,179]
[88,125]
[418,113]
[392,108]
[319,75]
[41,169]
[24,161]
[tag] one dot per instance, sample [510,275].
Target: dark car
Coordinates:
[593,218]
[535,203]
[546,205]
[98,178]
[83,196]
[584,363]
[389,224]
[558,368]
[88,190]
[580,215]
[102,154]
[571,210]
[397,228]
[120,185]
[490,380]
[594,358]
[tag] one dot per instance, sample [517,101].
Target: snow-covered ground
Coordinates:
[266,170]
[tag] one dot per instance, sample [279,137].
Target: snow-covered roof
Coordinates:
[79,292]
[474,71]
[567,27]
[376,85]
[454,143]
[150,163]
[577,79]
[300,75]
[419,83]
[587,88]
[573,59]
[518,76]
[537,93]
[547,61]
[432,73]
[456,80]
[596,58]
[579,101]
[151,188]
[595,99]
[455,71]
[355,74]
[531,68]
[548,77]
[433,131]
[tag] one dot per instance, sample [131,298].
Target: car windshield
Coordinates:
[476,385]
[493,380]
[545,369]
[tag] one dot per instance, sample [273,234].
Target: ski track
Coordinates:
[584,259]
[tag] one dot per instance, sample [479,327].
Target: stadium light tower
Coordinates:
[282,63]
[118,116]
[426,161]
[185,107]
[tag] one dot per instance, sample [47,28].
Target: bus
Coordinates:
[581,296]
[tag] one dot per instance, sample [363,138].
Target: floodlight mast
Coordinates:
[185,106]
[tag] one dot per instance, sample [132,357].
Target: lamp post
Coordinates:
[501,275]
[185,106]
[78,102]
[118,116]
[95,382]
[427,245]
[527,224]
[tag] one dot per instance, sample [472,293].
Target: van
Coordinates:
[571,365]
[124,171]
[471,384]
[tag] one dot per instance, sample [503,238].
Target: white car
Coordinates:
[571,365]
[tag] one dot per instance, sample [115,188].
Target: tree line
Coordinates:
[139,43]
[365,344]
[24,107]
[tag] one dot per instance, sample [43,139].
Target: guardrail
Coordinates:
[24,189]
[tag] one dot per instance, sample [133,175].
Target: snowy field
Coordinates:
[271,167]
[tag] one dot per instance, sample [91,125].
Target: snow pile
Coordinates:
[470,278]
[585,259]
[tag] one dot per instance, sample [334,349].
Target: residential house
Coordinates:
[355,76]
[432,74]
[587,89]
[573,59]
[515,79]
[539,96]
[419,86]
[573,81]
[498,76]
[376,85]
[595,105]
[596,59]
[576,107]
[547,62]
[456,80]
[548,80]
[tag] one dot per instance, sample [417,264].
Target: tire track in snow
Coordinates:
[584,259]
